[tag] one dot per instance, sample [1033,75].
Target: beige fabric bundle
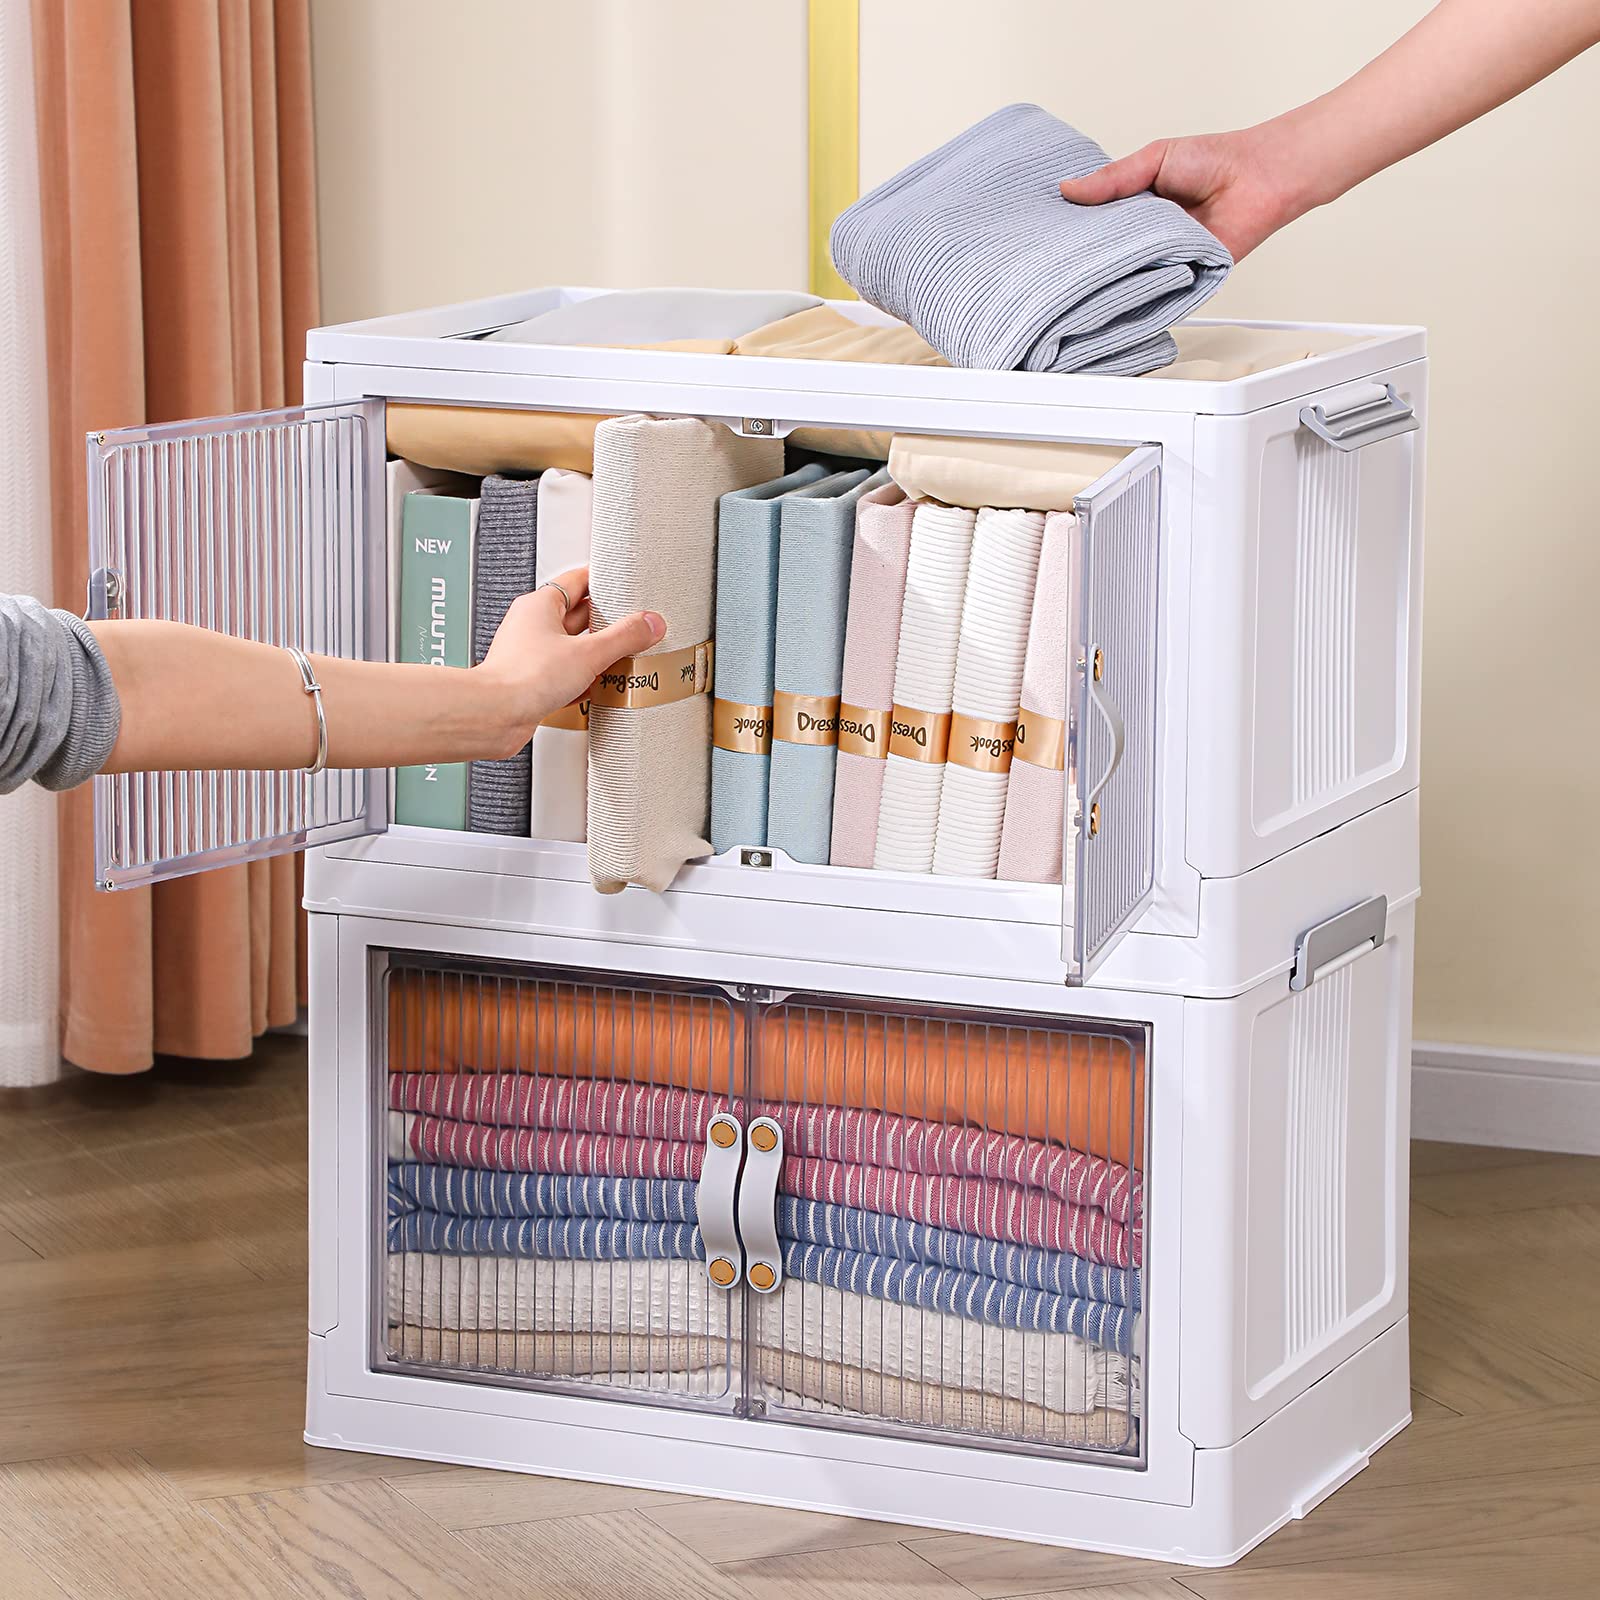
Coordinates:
[654,547]
[823,334]
[1222,351]
[484,439]
[1014,474]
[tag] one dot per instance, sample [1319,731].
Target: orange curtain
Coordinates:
[177,187]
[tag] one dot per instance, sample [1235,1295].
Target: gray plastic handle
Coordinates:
[758,1205]
[1362,424]
[1341,938]
[714,1200]
[1112,718]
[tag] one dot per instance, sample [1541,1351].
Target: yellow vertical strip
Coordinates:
[835,112]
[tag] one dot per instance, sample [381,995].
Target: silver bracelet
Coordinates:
[308,681]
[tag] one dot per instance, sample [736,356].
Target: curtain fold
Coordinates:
[28,912]
[177,177]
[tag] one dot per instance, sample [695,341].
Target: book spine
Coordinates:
[436,630]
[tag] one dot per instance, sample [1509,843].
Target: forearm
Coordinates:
[193,699]
[1461,60]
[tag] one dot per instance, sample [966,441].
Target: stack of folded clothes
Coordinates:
[936,1271]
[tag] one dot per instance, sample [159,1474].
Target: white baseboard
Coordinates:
[1520,1099]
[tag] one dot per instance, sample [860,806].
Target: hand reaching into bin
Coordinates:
[78,698]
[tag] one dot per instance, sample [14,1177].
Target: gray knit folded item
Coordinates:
[502,568]
[814,549]
[974,246]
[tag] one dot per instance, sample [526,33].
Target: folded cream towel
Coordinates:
[924,678]
[657,482]
[988,687]
[1030,840]
[824,334]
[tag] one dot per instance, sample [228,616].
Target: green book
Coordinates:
[435,628]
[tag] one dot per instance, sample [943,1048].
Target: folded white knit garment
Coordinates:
[1031,838]
[657,482]
[924,678]
[675,1298]
[1036,283]
[560,754]
[652,316]
[988,684]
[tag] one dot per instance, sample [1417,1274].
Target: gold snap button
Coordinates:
[721,1271]
[762,1276]
[723,1134]
[1094,819]
[763,1137]
[1099,664]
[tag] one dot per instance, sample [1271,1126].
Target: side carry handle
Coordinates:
[1364,423]
[1338,941]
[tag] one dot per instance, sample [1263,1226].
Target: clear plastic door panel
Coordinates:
[1111,710]
[558,1154]
[959,1218]
[270,527]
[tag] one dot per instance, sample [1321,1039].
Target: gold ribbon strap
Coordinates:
[863,732]
[1041,741]
[980,745]
[805,718]
[919,735]
[638,682]
[747,730]
[574,716]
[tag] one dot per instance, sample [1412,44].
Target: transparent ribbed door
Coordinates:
[557,1162]
[1110,815]
[270,527]
[959,1218]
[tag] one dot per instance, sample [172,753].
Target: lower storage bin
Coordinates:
[1091,1267]
[915,1219]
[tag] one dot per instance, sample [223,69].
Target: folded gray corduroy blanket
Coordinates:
[502,569]
[974,246]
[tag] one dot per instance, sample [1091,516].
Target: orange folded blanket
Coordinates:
[1084,1090]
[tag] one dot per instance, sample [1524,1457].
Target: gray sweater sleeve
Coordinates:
[59,713]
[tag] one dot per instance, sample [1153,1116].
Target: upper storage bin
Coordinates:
[1242,670]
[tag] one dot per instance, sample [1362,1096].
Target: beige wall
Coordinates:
[492,145]
[488,145]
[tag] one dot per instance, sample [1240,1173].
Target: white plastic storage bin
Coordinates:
[1264,602]
[1230,957]
[1264,1359]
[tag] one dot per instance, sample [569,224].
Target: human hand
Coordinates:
[1239,185]
[543,655]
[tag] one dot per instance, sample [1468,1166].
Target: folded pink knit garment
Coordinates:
[1010,1213]
[1030,840]
[872,635]
[859,1137]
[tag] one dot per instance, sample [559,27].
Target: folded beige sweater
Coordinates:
[657,482]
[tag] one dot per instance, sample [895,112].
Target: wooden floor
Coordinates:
[152,1346]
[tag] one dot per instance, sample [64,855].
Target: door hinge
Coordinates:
[758,427]
[105,595]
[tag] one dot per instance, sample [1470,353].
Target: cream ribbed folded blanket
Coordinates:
[675,1299]
[1031,281]
[1031,838]
[924,678]
[988,686]
[561,755]
[654,546]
